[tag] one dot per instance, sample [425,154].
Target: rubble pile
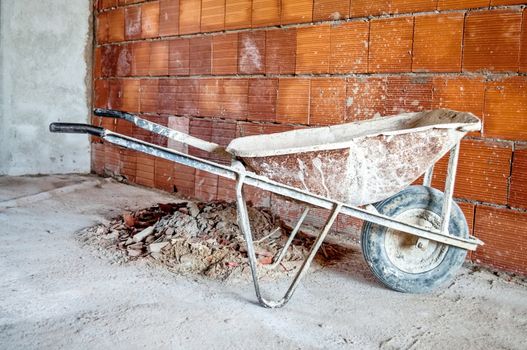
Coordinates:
[204,238]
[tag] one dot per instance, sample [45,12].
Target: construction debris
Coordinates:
[204,238]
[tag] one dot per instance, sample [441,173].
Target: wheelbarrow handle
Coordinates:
[109,113]
[164,131]
[76,128]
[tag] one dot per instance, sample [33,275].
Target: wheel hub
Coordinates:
[410,253]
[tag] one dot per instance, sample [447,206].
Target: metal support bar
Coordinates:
[427,178]
[243,222]
[449,188]
[292,236]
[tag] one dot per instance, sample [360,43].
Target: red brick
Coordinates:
[140,58]
[124,61]
[518,187]
[124,127]
[97,158]
[106,4]
[365,98]
[112,160]
[523,53]
[461,4]
[145,170]
[391,45]
[149,96]
[459,93]
[201,53]
[364,8]
[482,173]
[234,98]
[325,10]
[212,15]
[109,59]
[167,96]
[280,51]
[131,94]
[132,23]
[408,94]
[297,11]
[200,128]
[187,97]
[181,124]
[163,174]
[293,101]
[101,93]
[183,180]
[285,209]
[206,186]
[265,13]
[238,14]
[223,131]
[128,2]
[150,20]
[349,48]
[327,101]
[102,32]
[313,49]
[349,226]
[505,237]
[469,211]
[128,164]
[97,62]
[115,94]
[492,41]
[437,43]
[251,52]
[410,6]
[189,16]
[168,17]
[226,190]
[249,129]
[158,65]
[178,57]
[116,25]
[506,2]
[210,97]
[262,99]
[106,123]
[225,54]
[505,110]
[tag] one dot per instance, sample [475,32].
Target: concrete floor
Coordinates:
[57,293]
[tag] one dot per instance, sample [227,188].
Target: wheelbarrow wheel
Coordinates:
[404,262]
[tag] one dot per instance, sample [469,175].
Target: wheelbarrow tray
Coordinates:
[356,163]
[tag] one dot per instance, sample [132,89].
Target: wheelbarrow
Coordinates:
[414,238]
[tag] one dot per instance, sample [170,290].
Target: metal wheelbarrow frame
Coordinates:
[242,176]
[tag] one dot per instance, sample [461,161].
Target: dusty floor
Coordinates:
[56,293]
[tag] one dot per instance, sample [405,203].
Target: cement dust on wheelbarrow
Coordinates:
[203,238]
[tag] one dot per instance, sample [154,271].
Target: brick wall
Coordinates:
[229,68]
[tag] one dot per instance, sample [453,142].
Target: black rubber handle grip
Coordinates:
[110,113]
[76,128]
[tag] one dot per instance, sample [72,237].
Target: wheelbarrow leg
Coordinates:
[292,236]
[243,222]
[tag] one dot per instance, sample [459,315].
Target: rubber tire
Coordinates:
[373,236]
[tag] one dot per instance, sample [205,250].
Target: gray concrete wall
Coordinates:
[45,50]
